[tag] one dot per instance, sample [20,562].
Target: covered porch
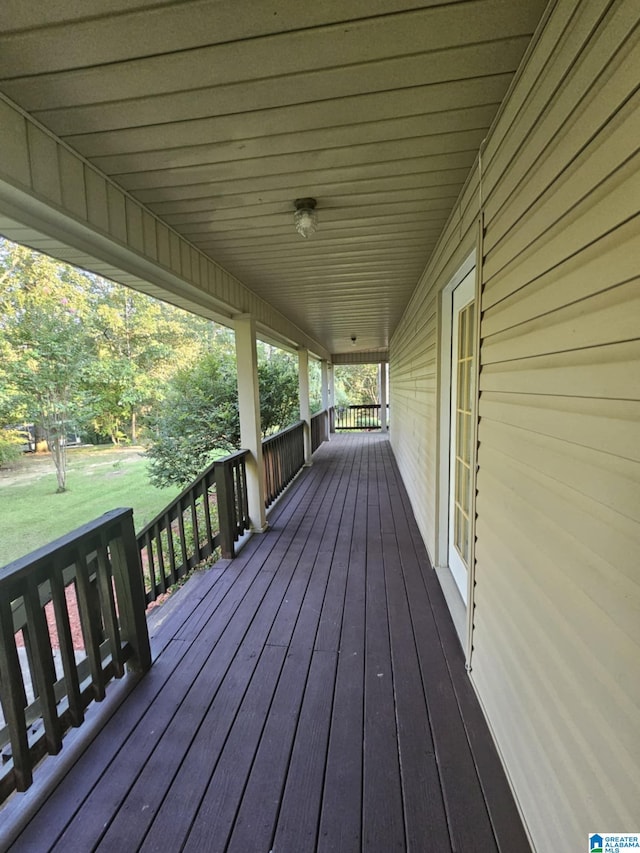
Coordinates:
[309,694]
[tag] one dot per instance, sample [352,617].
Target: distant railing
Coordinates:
[211,512]
[283,456]
[319,429]
[71,614]
[360,417]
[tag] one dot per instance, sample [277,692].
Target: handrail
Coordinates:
[185,534]
[364,416]
[283,457]
[96,570]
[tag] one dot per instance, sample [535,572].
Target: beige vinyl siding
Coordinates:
[556,636]
[414,364]
[413,410]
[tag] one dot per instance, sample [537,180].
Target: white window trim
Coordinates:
[458,609]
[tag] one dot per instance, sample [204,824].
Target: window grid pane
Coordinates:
[464,433]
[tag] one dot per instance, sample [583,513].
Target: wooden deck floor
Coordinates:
[308,696]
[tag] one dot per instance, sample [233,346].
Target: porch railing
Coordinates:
[73,612]
[283,456]
[319,429]
[211,512]
[81,595]
[358,417]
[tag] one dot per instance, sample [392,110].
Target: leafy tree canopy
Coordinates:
[356,384]
[198,420]
[43,309]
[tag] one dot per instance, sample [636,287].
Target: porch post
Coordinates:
[332,396]
[305,407]
[383,396]
[324,379]
[324,385]
[249,409]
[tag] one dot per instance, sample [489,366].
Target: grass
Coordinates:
[98,479]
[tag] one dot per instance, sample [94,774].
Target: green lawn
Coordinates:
[98,479]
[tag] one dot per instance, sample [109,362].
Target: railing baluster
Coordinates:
[108,605]
[157,537]
[194,524]
[90,630]
[156,583]
[63,625]
[43,670]
[10,678]
[207,510]
[183,568]
[171,544]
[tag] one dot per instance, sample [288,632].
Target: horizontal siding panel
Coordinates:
[607,372]
[594,544]
[607,207]
[606,479]
[590,422]
[413,396]
[537,722]
[519,716]
[567,109]
[536,588]
[609,317]
[601,135]
[577,185]
[561,38]
[611,260]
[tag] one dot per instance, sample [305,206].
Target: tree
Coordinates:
[139,344]
[45,344]
[356,384]
[198,419]
[279,393]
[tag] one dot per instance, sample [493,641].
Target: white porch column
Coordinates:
[324,380]
[305,407]
[326,374]
[249,409]
[332,393]
[383,396]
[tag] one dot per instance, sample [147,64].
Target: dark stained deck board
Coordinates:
[425,814]
[341,808]
[277,615]
[508,829]
[195,748]
[468,820]
[309,695]
[260,806]
[382,815]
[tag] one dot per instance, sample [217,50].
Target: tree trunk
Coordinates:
[134,429]
[59,453]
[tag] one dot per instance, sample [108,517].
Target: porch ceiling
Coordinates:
[217,115]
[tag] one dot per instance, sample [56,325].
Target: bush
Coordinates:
[198,421]
[198,417]
[11,442]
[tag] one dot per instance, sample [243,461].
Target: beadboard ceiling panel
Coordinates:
[218,114]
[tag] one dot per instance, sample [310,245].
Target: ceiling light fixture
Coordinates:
[305,218]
